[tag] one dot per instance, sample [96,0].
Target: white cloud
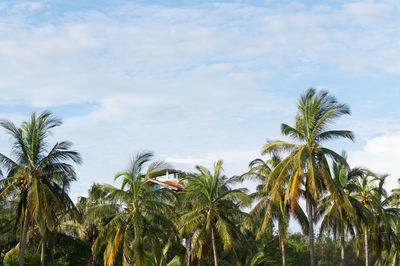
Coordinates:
[368,12]
[381,155]
[192,81]
[84,55]
[28,6]
[386,146]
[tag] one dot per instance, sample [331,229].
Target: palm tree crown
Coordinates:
[215,208]
[272,208]
[39,175]
[306,167]
[144,218]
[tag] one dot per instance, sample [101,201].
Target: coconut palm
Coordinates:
[364,193]
[336,217]
[143,223]
[39,175]
[306,167]
[59,206]
[395,196]
[272,209]
[215,211]
[384,217]
[8,240]
[93,213]
[395,202]
[182,207]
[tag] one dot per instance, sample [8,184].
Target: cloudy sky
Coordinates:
[198,81]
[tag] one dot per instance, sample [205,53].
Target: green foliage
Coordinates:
[214,213]
[29,260]
[71,250]
[144,220]
[140,223]
[37,175]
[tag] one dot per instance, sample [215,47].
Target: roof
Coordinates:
[171,183]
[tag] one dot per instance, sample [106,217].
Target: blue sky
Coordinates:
[198,81]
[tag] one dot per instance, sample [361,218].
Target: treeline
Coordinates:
[346,215]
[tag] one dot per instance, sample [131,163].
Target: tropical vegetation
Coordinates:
[309,207]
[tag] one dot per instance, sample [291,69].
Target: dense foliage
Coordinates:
[345,214]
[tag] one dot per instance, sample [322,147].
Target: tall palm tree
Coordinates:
[335,216]
[38,174]
[215,210]
[364,193]
[384,217]
[272,209]
[143,222]
[182,207]
[306,166]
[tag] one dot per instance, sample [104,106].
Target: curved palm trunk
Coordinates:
[22,242]
[214,246]
[366,246]
[342,244]
[235,256]
[282,244]
[310,229]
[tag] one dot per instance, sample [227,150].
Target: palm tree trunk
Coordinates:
[398,257]
[32,241]
[189,249]
[366,246]
[310,229]
[214,246]
[379,248]
[53,261]
[42,252]
[342,243]
[22,242]
[92,261]
[235,256]
[282,244]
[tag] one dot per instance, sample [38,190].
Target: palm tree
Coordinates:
[335,216]
[272,209]
[39,175]
[94,211]
[143,222]
[8,211]
[364,190]
[182,207]
[215,210]
[395,196]
[383,218]
[306,166]
[395,202]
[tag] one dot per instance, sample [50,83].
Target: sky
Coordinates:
[199,81]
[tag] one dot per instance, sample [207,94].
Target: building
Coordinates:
[170,180]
